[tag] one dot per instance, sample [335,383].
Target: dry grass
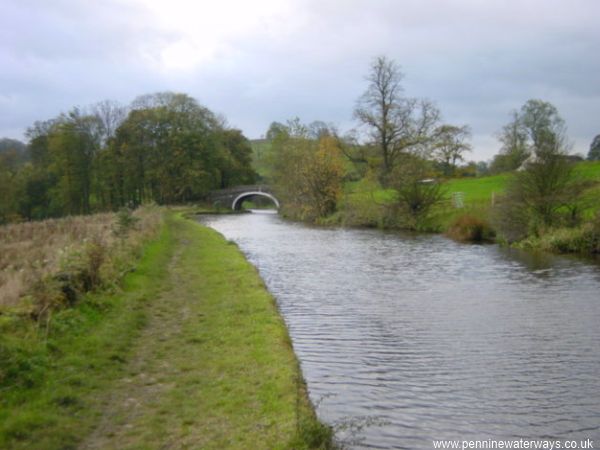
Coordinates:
[34,251]
[468,228]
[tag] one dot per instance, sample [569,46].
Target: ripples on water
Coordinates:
[438,340]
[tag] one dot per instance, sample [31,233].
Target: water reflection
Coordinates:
[439,340]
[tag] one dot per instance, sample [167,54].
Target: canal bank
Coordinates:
[191,354]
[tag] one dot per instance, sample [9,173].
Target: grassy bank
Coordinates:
[190,353]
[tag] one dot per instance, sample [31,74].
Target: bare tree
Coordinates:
[396,124]
[449,146]
[111,115]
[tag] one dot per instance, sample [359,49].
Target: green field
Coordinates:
[477,190]
[589,170]
[361,198]
[481,189]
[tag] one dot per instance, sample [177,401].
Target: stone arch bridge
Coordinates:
[233,197]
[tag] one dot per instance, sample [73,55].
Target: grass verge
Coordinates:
[53,377]
[191,354]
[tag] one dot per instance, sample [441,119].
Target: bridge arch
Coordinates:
[237,202]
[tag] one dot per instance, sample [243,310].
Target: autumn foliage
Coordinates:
[309,175]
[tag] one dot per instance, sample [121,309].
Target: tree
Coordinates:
[515,149]
[38,141]
[40,179]
[594,153]
[546,191]
[236,164]
[9,184]
[449,145]
[483,168]
[61,177]
[167,149]
[535,129]
[544,128]
[110,115]
[275,129]
[171,149]
[308,173]
[73,145]
[396,124]
[163,156]
[324,176]
[319,129]
[416,191]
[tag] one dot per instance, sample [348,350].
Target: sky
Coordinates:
[259,61]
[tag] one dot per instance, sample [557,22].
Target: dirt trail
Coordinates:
[213,367]
[149,373]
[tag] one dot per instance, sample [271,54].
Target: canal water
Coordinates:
[424,339]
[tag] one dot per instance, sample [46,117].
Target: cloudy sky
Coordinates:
[256,61]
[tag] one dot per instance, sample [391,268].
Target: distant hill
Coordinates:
[259,141]
[261,148]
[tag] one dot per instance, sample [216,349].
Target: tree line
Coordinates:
[164,148]
[167,148]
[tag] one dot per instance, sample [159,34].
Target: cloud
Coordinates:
[267,60]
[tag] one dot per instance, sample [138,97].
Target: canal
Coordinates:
[428,339]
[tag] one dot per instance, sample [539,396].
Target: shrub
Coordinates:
[45,294]
[467,228]
[546,194]
[416,192]
[584,239]
[511,219]
[125,222]
[360,207]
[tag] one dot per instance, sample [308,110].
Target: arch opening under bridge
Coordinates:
[236,205]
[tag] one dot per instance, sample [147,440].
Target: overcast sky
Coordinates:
[258,61]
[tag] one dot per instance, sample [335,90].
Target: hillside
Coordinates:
[260,157]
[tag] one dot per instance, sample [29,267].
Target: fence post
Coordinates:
[458,199]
